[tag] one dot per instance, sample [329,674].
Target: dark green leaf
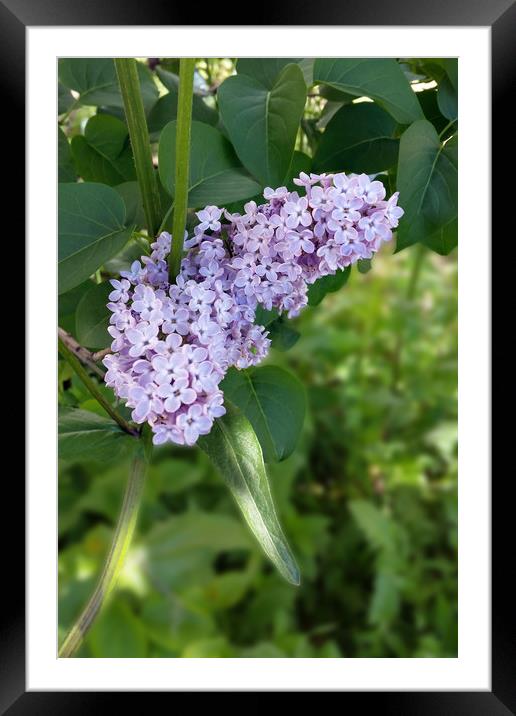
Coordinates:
[65,168]
[427,182]
[274,402]
[86,435]
[64,99]
[428,101]
[91,230]
[262,123]
[165,111]
[282,335]
[264,70]
[234,449]
[216,176]
[132,198]
[92,317]
[380,79]
[359,138]
[104,154]
[300,163]
[96,82]
[327,284]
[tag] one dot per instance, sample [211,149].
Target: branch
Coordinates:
[83,354]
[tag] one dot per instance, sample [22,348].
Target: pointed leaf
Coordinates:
[234,449]
[83,434]
[262,123]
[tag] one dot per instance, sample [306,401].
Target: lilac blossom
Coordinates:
[173,343]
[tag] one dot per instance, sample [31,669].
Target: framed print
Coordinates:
[260,459]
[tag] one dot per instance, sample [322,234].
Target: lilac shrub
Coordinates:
[173,343]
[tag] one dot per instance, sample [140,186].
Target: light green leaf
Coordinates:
[234,449]
[359,138]
[274,402]
[427,182]
[262,122]
[91,230]
[380,79]
[216,176]
[92,317]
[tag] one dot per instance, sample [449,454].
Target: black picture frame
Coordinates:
[500,15]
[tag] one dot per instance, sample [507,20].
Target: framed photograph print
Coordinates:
[258,410]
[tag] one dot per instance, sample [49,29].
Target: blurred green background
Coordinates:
[368,501]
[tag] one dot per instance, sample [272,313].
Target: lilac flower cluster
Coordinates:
[173,343]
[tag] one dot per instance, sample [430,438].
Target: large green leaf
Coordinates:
[274,402]
[91,230]
[86,435]
[380,79]
[216,176]
[427,182]
[104,154]
[118,633]
[359,138]
[234,449]
[262,122]
[92,317]
[94,78]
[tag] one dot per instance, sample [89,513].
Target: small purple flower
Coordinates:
[193,423]
[209,217]
[297,212]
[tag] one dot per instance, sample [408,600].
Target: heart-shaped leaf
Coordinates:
[262,122]
[264,70]
[216,175]
[274,402]
[380,79]
[92,317]
[91,230]
[104,154]
[427,182]
[359,138]
[234,449]
[165,111]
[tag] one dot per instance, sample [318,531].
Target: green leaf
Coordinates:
[264,70]
[104,154]
[327,284]
[132,198]
[64,99]
[91,230]
[65,168]
[262,122]
[118,633]
[86,435]
[234,449]
[428,101]
[274,402]
[95,81]
[380,79]
[165,111]
[359,138]
[92,317]
[67,306]
[216,176]
[282,335]
[301,162]
[427,182]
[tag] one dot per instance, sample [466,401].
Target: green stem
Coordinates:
[127,73]
[183,132]
[77,366]
[116,555]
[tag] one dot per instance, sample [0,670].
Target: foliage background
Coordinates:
[368,500]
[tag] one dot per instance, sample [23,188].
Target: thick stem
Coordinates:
[127,73]
[117,552]
[182,173]
[83,354]
[77,366]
